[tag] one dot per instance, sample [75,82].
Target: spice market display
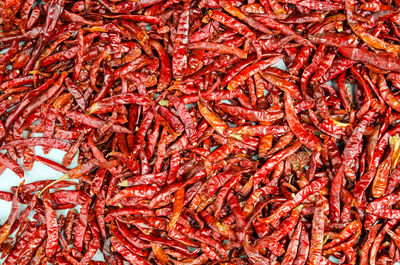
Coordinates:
[193,146]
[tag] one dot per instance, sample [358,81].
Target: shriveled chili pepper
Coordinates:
[140,191]
[317,235]
[291,253]
[6,228]
[51,226]
[305,136]
[179,59]
[251,70]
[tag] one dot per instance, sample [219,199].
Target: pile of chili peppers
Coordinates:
[193,147]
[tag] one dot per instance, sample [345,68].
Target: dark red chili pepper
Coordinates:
[11,164]
[251,70]
[51,226]
[305,136]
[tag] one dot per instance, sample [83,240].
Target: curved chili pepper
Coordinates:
[283,84]
[219,125]
[305,136]
[383,61]
[251,70]
[140,191]
[93,121]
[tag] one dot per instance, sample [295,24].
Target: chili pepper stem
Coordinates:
[63,177]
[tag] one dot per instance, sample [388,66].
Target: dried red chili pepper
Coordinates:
[51,226]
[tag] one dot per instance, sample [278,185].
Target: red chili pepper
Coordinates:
[212,118]
[251,70]
[140,191]
[305,136]
[11,164]
[93,121]
[51,226]
[292,251]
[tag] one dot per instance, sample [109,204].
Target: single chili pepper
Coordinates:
[52,164]
[93,121]
[379,183]
[258,130]
[124,98]
[383,61]
[317,235]
[179,59]
[51,226]
[292,251]
[218,48]
[306,137]
[337,40]
[212,118]
[146,179]
[65,197]
[128,211]
[53,143]
[334,200]
[251,70]
[252,114]
[141,191]
[81,225]
[283,84]
[69,223]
